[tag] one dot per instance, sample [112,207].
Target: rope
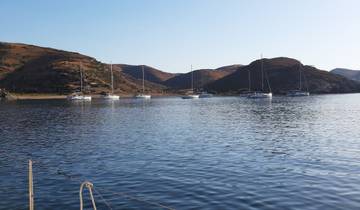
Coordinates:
[90,186]
[122,194]
[59,172]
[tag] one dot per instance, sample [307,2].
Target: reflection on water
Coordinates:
[216,153]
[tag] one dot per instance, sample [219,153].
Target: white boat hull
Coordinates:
[298,94]
[143,96]
[260,95]
[79,98]
[111,97]
[190,97]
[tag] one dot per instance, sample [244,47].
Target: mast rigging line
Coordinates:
[103,199]
[122,194]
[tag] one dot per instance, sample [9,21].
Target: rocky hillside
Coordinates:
[151,74]
[283,75]
[348,73]
[202,77]
[32,69]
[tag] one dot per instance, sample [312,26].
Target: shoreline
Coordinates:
[40,96]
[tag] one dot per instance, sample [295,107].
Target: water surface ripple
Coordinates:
[217,153]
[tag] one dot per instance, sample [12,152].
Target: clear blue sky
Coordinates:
[172,34]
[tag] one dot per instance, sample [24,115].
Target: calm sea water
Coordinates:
[217,153]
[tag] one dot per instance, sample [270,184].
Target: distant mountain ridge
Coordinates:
[283,75]
[151,74]
[201,77]
[229,68]
[348,73]
[32,69]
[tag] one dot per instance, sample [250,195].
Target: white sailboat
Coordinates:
[297,93]
[245,94]
[192,95]
[205,94]
[143,95]
[111,96]
[261,94]
[79,96]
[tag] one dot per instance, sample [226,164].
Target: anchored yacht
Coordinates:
[79,96]
[299,92]
[205,95]
[111,96]
[262,93]
[143,95]
[192,95]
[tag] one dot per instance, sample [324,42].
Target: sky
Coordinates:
[171,35]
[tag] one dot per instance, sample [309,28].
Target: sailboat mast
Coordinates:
[262,73]
[192,79]
[143,74]
[300,75]
[266,75]
[249,77]
[112,79]
[81,78]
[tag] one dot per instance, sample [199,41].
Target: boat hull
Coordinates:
[142,96]
[190,97]
[111,97]
[298,94]
[260,95]
[79,98]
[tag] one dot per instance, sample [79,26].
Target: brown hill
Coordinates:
[151,74]
[283,74]
[230,68]
[32,69]
[202,77]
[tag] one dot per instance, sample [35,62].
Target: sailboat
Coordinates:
[111,96]
[204,93]
[296,93]
[248,92]
[192,95]
[261,94]
[79,96]
[143,95]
